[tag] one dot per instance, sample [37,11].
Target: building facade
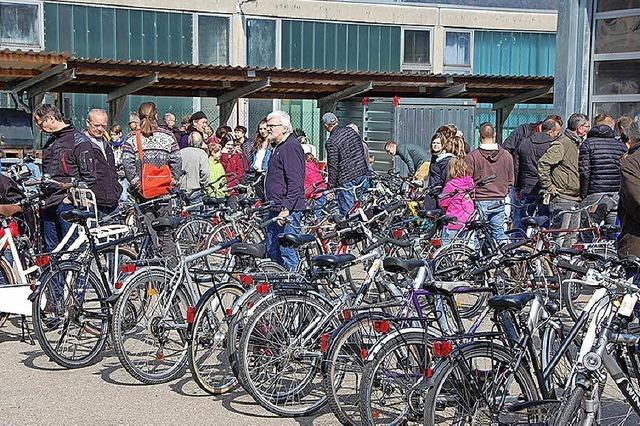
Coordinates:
[464,36]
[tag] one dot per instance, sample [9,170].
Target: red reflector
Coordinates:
[127,268]
[579,247]
[346,315]
[381,326]
[442,348]
[33,286]
[42,260]
[119,285]
[184,214]
[364,354]
[249,305]
[191,314]
[263,288]
[245,280]
[397,233]
[228,311]
[324,342]
[428,372]
[436,242]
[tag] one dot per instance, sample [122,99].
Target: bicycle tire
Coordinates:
[571,408]
[56,310]
[306,395]
[209,333]
[137,310]
[189,235]
[346,406]
[458,364]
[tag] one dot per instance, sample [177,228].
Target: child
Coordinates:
[455,199]
[314,183]
[216,171]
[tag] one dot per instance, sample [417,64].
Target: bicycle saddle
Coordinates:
[251,250]
[332,260]
[430,214]
[77,216]
[534,221]
[477,224]
[295,240]
[401,266]
[165,223]
[512,302]
[212,201]
[444,220]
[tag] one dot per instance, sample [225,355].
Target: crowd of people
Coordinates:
[542,169]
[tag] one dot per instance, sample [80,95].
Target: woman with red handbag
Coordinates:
[152,165]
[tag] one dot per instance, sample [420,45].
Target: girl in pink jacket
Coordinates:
[456,198]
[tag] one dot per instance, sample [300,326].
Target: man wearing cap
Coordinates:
[197,123]
[346,162]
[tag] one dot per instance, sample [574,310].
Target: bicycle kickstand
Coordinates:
[24,325]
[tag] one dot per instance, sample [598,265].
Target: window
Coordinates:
[416,52]
[609,5]
[20,25]
[261,43]
[213,40]
[457,52]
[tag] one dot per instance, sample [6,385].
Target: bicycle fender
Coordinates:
[204,297]
[404,332]
[48,271]
[281,292]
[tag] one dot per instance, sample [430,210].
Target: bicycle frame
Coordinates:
[14,298]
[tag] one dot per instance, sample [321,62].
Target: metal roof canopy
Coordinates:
[34,73]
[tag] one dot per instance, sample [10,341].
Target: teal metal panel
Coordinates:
[80,43]
[163,32]
[122,34]
[51,23]
[149,36]
[94,32]
[108,30]
[325,45]
[513,53]
[135,35]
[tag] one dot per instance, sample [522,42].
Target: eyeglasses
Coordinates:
[271,126]
[40,121]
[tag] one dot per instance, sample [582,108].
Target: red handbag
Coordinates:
[154,181]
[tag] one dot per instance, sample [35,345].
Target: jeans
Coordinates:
[609,199]
[165,239]
[318,204]
[346,198]
[532,208]
[284,256]
[567,220]
[494,212]
[53,227]
[447,235]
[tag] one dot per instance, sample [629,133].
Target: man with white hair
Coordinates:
[284,187]
[107,188]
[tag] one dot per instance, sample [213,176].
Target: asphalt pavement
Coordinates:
[35,391]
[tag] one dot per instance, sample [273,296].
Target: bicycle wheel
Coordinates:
[390,391]
[344,365]
[280,359]
[552,337]
[208,359]
[191,236]
[469,304]
[221,233]
[150,328]
[478,384]
[70,315]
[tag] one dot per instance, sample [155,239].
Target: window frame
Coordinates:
[593,98]
[412,66]
[459,69]
[40,27]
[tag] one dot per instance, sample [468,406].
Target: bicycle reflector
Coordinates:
[42,260]
[346,314]
[579,247]
[364,354]
[436,242]
[191,314]
[324,342]
[263,288]
[428,372]
[397,233]
[442,348]
[127,268]
[184,214]
[228,312]
[245,280]
[119,285]
[381,326]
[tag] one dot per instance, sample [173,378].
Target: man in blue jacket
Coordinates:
[284,187]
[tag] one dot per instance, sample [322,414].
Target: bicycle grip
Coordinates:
[482,269]
[571,267]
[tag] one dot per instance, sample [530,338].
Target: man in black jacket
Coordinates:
[67,155]
[526,171]
[346,162]
[599,167]
[107,188]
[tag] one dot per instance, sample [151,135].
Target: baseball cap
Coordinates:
[329,118]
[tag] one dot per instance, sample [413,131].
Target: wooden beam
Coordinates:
[133,87]
[51,83]
[523,97]
[448,92]
[329,101]
[241,92]
[24,85]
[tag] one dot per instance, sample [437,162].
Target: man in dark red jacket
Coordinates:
[67,155]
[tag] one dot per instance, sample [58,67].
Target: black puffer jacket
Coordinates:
[525,162]
[599,161]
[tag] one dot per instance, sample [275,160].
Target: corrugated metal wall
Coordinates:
[121,34]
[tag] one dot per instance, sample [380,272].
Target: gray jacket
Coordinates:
[412,155]
[195,164]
